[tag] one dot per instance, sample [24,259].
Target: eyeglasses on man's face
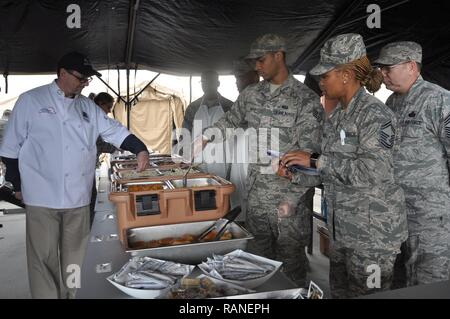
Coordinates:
[385,69]
[82,79]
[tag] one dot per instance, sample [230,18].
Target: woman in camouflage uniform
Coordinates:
[367,219]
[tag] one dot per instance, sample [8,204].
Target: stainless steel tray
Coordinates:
[161,156]
[126,165]
[295,293]
[190,253]
[195,182]
[123,187]
[163,162]
[177,171]
[132,174]
[123,157]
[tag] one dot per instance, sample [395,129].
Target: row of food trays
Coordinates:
[164,255]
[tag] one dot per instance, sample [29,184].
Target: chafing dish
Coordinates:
[178,172]
[123,157]
[295,293]
[206,199]
[133,174]
[193,253]
[124,186]
[195,182]
[152,174]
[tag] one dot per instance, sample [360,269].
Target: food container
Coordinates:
[124,175]
[203,287]
[162,163]
[143,185]
[122,157]
[135,175]
[178,172]
[124,165]
[168,161]
[128,156]
[250,283]
[195,182]
[188,253]
[139,293]
[136,264]
[295,293]
[207,199]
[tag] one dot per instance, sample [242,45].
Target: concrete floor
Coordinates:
[13,263]
[13,267]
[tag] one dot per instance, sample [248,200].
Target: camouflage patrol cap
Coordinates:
[265,44]
[397,52]
[340,49]
[241,67]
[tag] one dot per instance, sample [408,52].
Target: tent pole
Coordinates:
[190,88]
[134,5]
[109,87]
[140,92]
[128,104]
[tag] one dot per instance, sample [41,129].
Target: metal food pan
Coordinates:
[126,165]
[163,162]
[160,156]
[195,182]
[155,157]
[132,174]
[177,171]
[123,157]
[295,293]
[159,159]
[124,186]
[193,253]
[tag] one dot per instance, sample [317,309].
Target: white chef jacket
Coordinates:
[54,138]
[208,117]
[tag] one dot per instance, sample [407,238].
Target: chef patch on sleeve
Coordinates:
[387,135]
[447,126]
[85,116]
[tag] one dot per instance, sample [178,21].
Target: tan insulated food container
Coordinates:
[150,202]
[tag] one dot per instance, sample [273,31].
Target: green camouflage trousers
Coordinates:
[283,239]
[350,276]
[425,259]
[425,256]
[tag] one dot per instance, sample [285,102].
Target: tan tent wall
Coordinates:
[153,117]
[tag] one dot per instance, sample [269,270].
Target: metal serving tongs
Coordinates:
[187,172]
[221,224]
[191,165]
[189,168]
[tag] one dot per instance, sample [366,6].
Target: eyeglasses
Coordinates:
[385,69]
[80,78]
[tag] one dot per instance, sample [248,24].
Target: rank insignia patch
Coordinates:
[387,135]
[447,126]
[316,114]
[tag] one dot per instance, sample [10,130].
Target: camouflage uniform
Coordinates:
[421,169]
[366,219]
[295,111]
